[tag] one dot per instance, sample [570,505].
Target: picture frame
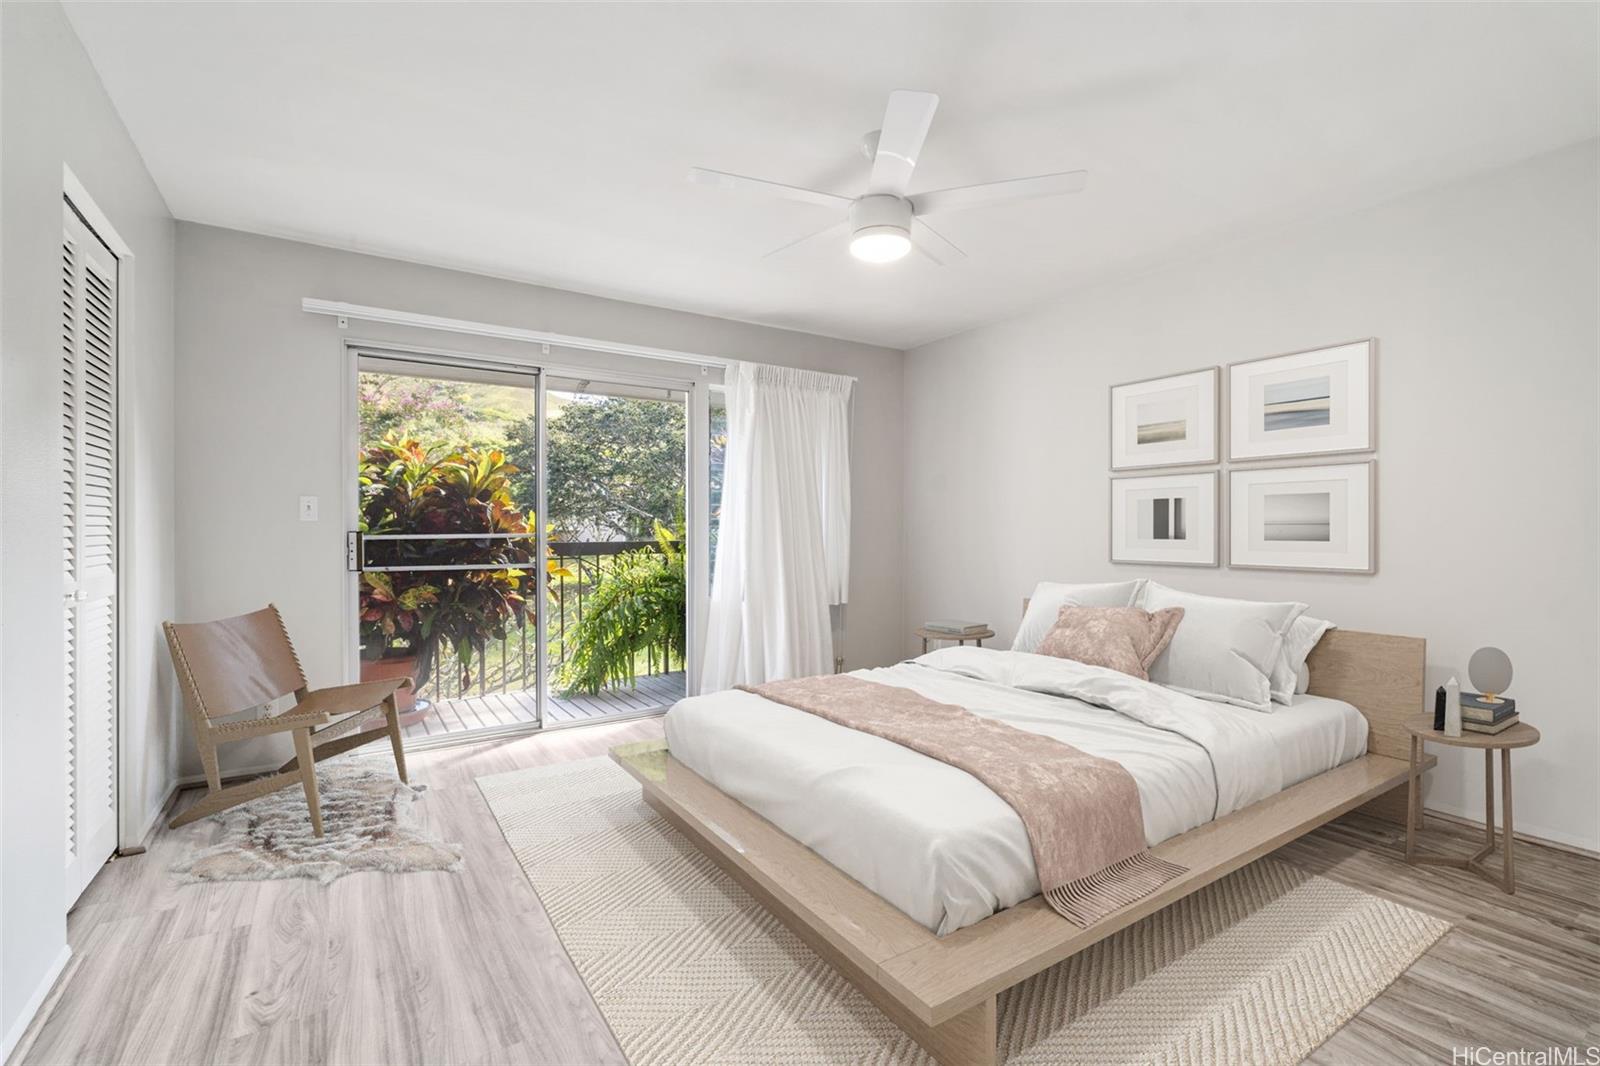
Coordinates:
[1321,518]
[1166,519]
[1317,402]
[1166,421]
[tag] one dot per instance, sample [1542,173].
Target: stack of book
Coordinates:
[954,627]
[1480,716]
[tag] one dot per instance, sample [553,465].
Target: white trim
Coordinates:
[361,312]
[25,1018]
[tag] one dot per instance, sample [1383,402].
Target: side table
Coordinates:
[1520,735]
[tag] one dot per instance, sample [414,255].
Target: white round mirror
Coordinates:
[1490,671]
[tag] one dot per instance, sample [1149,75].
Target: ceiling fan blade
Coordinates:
[905,126]
[702,176]
[994,192]
[838,227]
[933,244]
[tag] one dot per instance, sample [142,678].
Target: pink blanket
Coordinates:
[1081,812]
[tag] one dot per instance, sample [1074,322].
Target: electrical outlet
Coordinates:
[308,508]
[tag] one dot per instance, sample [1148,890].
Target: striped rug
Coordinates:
[1260,967]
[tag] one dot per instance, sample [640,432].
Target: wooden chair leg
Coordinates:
[308,777]
[208,762]
[391,711]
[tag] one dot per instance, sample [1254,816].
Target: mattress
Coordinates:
[934,841]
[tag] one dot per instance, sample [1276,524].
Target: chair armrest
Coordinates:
[260,727]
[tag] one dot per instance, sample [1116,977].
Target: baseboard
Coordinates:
[1527,838]
[240,774]
[30,1011]
[152,821]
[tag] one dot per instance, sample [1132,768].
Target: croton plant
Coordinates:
[408,487]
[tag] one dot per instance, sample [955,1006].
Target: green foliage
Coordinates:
[614,466]
[637,605]
[409,487]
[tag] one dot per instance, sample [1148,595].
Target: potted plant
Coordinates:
[408,487]
[392,606]
[637,605]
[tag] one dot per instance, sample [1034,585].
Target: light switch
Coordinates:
[308,508]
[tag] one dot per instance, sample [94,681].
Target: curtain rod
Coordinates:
[361,312]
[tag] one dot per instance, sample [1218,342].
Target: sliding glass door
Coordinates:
[615,496]
[520,548]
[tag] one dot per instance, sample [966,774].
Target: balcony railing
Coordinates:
[511,664]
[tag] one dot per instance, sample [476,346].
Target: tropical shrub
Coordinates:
[637,605]
[410,487]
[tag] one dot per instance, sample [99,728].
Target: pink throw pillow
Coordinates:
[1127,639]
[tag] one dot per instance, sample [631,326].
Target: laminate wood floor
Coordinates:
[447,968]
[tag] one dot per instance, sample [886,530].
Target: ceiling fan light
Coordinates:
[880,244]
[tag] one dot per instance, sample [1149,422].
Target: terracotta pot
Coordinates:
[406,698]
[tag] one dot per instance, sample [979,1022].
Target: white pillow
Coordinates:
[1050,596]
[1298,644]
[1224,650]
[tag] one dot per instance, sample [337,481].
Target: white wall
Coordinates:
[1483,298]
[259,395]
[42,61]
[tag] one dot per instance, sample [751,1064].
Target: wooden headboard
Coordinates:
[1378,674]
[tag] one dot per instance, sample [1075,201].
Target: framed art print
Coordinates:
[1170,421]
[1308,403]
[1304,518]
[1165,518]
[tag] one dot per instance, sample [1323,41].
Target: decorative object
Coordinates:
[638,605]
[1168,519]
[1452,708]
[411,492]
[371,827]
[687,967]
[1519,735]
[977,636]
[1304,518]
[954,627]
[1484,715]
[1439,699]
[1170,421]
[1125,639]
[1490,670]
[1306,403]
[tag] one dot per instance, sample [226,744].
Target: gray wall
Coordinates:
[259,395]
[43,62]
[1483,298]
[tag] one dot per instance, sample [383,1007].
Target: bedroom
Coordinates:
[1356,243]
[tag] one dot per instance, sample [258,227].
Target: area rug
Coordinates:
[1260,967]
[367,820]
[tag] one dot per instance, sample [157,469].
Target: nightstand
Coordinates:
[953,638]
[1520,735]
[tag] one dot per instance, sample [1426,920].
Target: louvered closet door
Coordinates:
[89,543]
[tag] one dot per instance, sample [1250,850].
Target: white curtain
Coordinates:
[783,545]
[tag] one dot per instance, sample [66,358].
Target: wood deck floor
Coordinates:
[495,710]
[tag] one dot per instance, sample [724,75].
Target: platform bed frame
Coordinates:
[942,990]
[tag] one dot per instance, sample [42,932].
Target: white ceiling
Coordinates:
[549,142]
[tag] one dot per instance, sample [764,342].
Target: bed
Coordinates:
[913,879]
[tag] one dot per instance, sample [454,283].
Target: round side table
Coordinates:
[954,638]
[1520,735]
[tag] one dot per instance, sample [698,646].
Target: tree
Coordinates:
[614,467]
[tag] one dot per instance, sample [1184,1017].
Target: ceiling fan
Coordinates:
[885,223]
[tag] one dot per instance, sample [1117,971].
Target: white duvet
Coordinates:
[935,841]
